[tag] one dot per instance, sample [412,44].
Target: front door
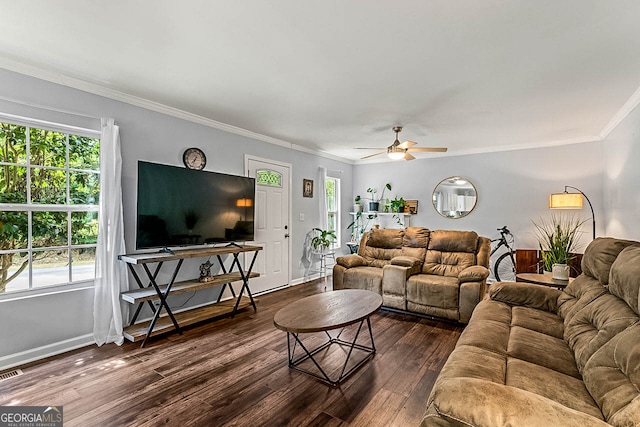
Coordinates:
[271,223]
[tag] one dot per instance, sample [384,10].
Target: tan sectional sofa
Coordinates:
[439,273]
[537,356]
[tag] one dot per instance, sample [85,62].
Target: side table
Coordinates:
[543,279]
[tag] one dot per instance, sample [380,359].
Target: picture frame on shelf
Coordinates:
[411,206]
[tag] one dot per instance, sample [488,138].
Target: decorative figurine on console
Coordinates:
[205,272]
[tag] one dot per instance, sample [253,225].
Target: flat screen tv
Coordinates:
[183,207]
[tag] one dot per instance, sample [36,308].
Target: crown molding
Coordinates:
[96,89]
[622,113]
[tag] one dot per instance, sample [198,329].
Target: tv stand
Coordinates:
[155,292]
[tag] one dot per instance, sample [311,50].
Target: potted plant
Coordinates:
[323,240]
[357,205]
[558,241]
[397,204]
[374,204]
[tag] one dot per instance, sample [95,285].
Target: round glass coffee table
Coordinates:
[323,313]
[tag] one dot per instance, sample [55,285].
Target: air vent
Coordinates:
[10,374]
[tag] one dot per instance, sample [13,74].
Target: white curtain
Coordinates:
[322,194]
[111,274]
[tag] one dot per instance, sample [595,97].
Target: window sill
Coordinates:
[50,290]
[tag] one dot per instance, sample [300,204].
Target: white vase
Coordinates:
[560,271]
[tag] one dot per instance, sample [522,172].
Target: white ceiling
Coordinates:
[330,75]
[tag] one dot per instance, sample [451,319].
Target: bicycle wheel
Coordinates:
[505,269]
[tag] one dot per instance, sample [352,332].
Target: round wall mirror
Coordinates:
[454,197]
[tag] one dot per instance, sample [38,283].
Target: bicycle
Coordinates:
[504,269]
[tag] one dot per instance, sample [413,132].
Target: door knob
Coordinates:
[286,235]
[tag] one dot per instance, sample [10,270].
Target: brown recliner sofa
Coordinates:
[439,273]
[536,356]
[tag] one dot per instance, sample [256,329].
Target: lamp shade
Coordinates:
[565,201]
[243,203]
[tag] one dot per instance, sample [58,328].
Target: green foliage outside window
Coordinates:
[47,168]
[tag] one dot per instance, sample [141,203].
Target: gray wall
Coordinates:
[622,178]
[513,188]
[33,326]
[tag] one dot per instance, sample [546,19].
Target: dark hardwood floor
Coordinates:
[234,372]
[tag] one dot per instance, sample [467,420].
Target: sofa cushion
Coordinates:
[567,390]
[624,281]
[385,238]
[453,241]
[595,324]
[612,376]
[447,263]
[415,237]
[599,256]
[542,349]
[577,295]
[581,292]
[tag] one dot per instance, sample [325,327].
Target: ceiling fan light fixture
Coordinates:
[396,155]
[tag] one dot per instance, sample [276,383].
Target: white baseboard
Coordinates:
[305,279]
[48,350]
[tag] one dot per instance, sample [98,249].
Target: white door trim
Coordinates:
[247,158]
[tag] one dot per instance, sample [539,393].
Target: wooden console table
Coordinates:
[153,291]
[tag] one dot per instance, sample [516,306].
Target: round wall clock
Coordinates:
[194,158]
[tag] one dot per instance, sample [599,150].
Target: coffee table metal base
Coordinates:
[294,363]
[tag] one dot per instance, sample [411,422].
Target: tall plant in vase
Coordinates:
[558,242]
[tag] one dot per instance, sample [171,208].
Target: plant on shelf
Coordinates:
[323,240]
[558,240]
[374,204]
[357,204]
[360,225]
[397,204]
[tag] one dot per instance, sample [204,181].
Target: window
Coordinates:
[333,206]
[49,193]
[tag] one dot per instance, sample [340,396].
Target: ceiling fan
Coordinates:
[400,150]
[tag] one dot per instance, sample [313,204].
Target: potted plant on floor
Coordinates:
[558,241]
[374,204]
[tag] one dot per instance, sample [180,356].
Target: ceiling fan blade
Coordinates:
[372,155]
[428,149]
[370,148]
[408,156]
[407,144]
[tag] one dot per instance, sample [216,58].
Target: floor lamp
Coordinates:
[568,200]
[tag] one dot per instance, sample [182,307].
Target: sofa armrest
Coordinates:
[478,402]
[350,261]
[406,261]
[475,273]
[526,294]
